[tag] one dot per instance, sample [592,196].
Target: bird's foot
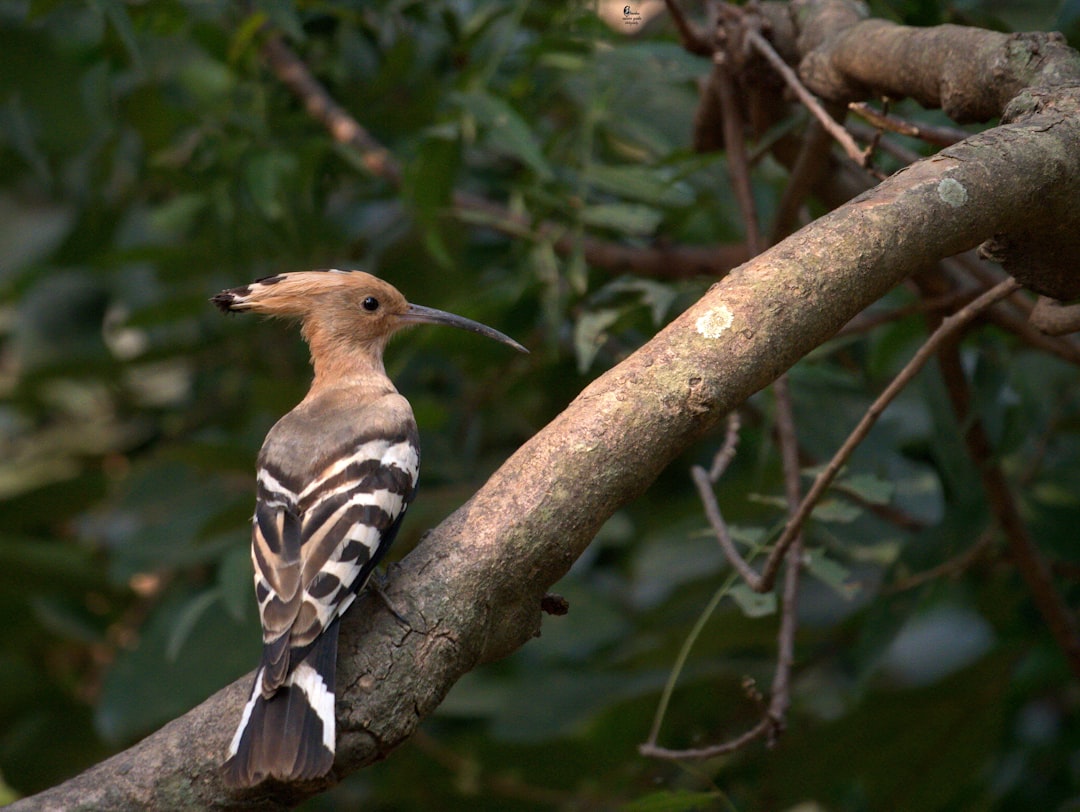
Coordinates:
[376,586]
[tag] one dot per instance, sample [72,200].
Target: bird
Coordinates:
[334,478]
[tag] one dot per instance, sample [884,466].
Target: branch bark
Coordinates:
[477,580]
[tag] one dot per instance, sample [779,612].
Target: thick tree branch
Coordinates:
[970,73]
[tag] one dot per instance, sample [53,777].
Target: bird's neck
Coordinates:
[341,363]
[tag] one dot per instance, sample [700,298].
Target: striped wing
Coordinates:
[315,543]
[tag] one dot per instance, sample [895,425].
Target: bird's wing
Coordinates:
[316,541]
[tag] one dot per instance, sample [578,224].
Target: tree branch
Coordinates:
[938,136]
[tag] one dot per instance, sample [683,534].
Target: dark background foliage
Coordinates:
[148,159]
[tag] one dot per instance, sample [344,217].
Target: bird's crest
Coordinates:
[304,293]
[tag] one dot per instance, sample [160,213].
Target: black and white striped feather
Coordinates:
[333,485]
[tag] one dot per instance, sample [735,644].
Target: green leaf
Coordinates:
[175,216]
[186,619]
[506,130]
[121,21]
[836,510]
[748,535]
[657,296]
[831,573]
[565,60]
[590,334]
[144,687]
[429,185]
[753,604]
[871,489]
[679,800]
[650,185]
[234,583]
[626,218]
[266,174]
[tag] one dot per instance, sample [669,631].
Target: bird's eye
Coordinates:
[370,303]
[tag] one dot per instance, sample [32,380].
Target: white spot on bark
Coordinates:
[952,192]
[714,321]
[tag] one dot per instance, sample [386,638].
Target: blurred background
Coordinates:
[149,158]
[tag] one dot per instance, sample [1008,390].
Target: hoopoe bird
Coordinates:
[335,476]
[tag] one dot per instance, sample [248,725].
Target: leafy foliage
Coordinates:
[148,160]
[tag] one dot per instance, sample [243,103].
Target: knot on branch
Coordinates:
[1038,258]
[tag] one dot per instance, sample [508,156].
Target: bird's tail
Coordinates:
[290,735]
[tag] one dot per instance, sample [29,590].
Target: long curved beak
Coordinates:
[418,314]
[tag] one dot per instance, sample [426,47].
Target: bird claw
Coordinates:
[376,586]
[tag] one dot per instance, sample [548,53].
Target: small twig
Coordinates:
[735,148]
[780,698]
[938,136]
[842,137]
[759,730]
[719,527]
[875,139]
[774,714]
[727,451]
[898,151]
[866,321]
[809,167]
[953,568]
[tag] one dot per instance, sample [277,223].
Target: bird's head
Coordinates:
[352,308]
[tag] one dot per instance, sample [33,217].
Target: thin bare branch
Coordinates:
[953,568]
[320,105]
[735,148]
[810,165]
[868,320]
[938,136]
[901,153]
[1014,314]
[758,731]
[774,714]
[727,451]
[780,698]
[809,100]
[719,527]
